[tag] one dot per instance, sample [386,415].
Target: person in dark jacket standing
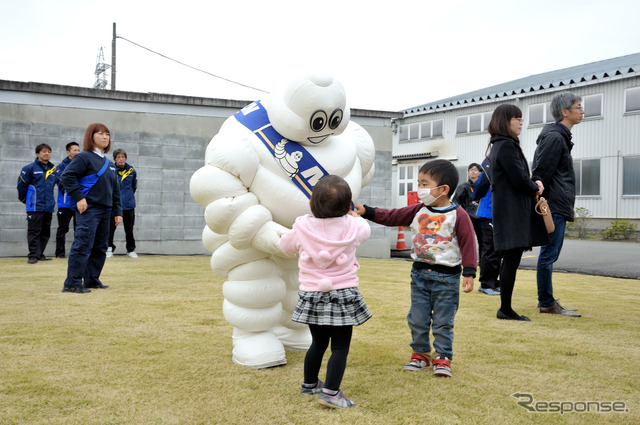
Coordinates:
[463,196]
[489,258]
[553,165]
[91,181]
[65,213]
[515,227]
[128,179]
[35,190]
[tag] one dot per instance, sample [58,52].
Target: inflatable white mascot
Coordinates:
[258,176]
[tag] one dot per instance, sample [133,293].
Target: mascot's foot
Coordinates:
[294,339]
[257,349]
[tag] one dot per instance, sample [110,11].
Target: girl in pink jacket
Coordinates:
[330,302]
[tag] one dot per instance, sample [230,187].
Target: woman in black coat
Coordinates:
[515,227]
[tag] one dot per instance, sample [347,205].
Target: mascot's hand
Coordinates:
[267,239]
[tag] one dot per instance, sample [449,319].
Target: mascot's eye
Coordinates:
[336,119]
[318,120]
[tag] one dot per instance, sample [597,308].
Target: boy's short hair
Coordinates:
[119,152]
[442,172]
[473,164]
[331,197]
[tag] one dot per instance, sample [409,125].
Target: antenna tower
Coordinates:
[101,71]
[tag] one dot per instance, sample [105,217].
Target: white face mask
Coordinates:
[426,197]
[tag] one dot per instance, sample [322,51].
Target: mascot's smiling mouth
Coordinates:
[318,139]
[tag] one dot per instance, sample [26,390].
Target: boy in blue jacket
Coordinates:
[35,190]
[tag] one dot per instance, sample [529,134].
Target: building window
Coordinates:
[430,129]
[540,114]
[463,176]
[425,129]
[404,132]
[587,177]
[422,130]
[631,175]
[487,119]
[632,100]
[437,128]
[406,179]
[414,131]
[592,105]
[462,125]
[472,123]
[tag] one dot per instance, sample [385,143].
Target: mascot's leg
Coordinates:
[252,305]
[293,335]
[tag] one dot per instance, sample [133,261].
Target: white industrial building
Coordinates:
[607,143]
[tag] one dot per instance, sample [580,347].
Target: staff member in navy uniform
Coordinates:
[35,190]
[65,212]
[128,179]
[91,181]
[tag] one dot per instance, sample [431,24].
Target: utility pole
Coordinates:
[113,59]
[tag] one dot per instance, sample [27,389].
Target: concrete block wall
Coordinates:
[378,194]
[165,138]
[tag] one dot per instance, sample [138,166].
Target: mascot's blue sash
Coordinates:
[295,160]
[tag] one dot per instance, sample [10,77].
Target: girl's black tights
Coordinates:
[340,337]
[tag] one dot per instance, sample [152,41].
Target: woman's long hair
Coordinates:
[500,124]
[94,128]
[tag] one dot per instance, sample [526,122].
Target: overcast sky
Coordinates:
[388,55]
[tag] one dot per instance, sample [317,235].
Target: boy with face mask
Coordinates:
[443,247]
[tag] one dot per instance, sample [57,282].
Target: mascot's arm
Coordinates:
[365,149]
[221,187]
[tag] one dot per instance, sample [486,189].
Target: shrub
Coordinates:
[620,229]
[581,222]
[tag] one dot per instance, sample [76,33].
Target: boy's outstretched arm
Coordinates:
[358,208]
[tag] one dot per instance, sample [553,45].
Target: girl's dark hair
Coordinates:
[501,119]
[94,128]
[331,197]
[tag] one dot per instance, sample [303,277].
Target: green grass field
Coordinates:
[155,349]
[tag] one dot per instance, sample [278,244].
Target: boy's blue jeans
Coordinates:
[434,302]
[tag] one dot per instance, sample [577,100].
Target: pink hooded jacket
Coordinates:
[327,248]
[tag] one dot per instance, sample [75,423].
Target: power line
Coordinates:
[194,68]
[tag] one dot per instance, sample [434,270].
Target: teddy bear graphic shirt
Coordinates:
[434,238]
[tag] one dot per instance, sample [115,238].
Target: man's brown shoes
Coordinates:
[557,309]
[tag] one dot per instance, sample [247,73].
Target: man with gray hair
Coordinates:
[553,165]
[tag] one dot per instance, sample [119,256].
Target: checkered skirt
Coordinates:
[342,307]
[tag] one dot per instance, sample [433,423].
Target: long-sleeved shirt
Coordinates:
[106,191]
[442,240]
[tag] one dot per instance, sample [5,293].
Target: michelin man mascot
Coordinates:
[258,176]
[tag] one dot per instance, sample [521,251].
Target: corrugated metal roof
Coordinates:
[548,80]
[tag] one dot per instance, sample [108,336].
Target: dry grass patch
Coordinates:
[155,349]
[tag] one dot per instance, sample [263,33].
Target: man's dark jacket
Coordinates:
[553,165]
